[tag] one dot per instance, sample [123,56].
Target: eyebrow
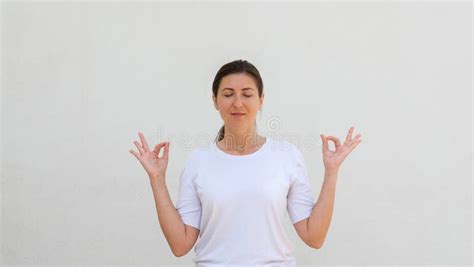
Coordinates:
[246,88]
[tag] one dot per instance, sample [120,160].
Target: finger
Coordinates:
[325,143]
[155,152]
[336,141]
[144,142]
[353,146]
[349,136]
[356,138]
[167,150]
[140,148]
[133,152]
[355,142]
[158,147]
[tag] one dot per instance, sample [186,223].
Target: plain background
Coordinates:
[79,80]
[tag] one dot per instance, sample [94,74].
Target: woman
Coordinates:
[234,195]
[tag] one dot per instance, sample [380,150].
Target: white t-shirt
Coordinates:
[239,203]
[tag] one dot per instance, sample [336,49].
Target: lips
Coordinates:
[237,113]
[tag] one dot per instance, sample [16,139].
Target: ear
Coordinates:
[215,102]
[262,98]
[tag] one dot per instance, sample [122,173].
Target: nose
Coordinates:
[238,102]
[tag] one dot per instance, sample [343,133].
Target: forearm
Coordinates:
[320,218]
[170,221]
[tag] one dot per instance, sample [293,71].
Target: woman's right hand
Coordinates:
[154,165]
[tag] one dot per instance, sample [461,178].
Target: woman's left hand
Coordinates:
[333,159]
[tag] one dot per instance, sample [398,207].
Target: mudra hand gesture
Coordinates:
[154,165]
[333,159]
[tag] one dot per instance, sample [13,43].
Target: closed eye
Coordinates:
[244,95]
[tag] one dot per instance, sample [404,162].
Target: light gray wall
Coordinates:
[80,80]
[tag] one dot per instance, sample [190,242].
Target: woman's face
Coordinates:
[237,100]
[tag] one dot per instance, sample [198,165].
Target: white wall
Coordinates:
[80,80]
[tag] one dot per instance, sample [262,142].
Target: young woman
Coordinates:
[234,195]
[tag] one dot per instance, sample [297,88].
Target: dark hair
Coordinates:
[236,66]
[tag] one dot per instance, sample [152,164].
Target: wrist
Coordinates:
[157,178]
[331,172]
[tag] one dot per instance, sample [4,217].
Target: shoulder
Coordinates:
[284,147]
[197,155]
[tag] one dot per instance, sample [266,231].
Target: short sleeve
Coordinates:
[301,199]
[188,204]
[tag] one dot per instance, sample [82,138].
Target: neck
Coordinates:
[241,138]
